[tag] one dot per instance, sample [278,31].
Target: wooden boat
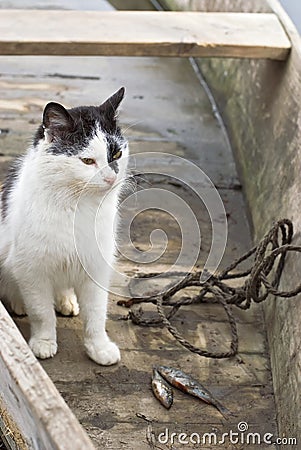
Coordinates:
[254,76]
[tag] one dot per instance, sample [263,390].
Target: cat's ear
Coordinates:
[56,118]
[111,105]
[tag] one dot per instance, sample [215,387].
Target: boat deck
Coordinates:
[166,110]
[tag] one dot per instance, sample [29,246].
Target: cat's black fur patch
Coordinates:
[9,181]
[113,146]
[70,130]
[72,139]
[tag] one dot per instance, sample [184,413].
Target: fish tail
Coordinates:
[223,410]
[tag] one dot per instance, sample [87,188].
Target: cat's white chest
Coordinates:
[94,225]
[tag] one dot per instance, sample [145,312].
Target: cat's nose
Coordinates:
[110,179]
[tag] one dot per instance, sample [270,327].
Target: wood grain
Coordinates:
[31,399]
[147,33]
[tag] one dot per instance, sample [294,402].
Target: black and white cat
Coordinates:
[75,166]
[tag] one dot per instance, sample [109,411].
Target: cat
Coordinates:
[49,258]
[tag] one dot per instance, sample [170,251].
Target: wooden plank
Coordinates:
[136,33]
[32,411]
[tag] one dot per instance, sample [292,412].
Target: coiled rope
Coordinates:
[269,257]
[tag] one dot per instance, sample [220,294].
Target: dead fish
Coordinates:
[163,392]
[185,383]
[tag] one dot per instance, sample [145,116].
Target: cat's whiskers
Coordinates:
[132,125]
[74,190]
[130,185]
[137,176]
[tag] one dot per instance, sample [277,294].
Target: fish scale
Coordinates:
[163,392]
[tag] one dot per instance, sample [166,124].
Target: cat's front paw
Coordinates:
[43,348]
[17,307]
[66,303]
[106,353]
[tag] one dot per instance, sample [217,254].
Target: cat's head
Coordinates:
[84,144]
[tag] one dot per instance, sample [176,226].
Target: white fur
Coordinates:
[48,252]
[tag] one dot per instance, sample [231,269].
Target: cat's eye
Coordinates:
[88,161]
[117,155]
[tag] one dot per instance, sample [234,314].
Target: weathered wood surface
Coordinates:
[176,117]
[33,414]
[136,33]
[260,103]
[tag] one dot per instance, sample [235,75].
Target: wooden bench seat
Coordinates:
[142,33]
